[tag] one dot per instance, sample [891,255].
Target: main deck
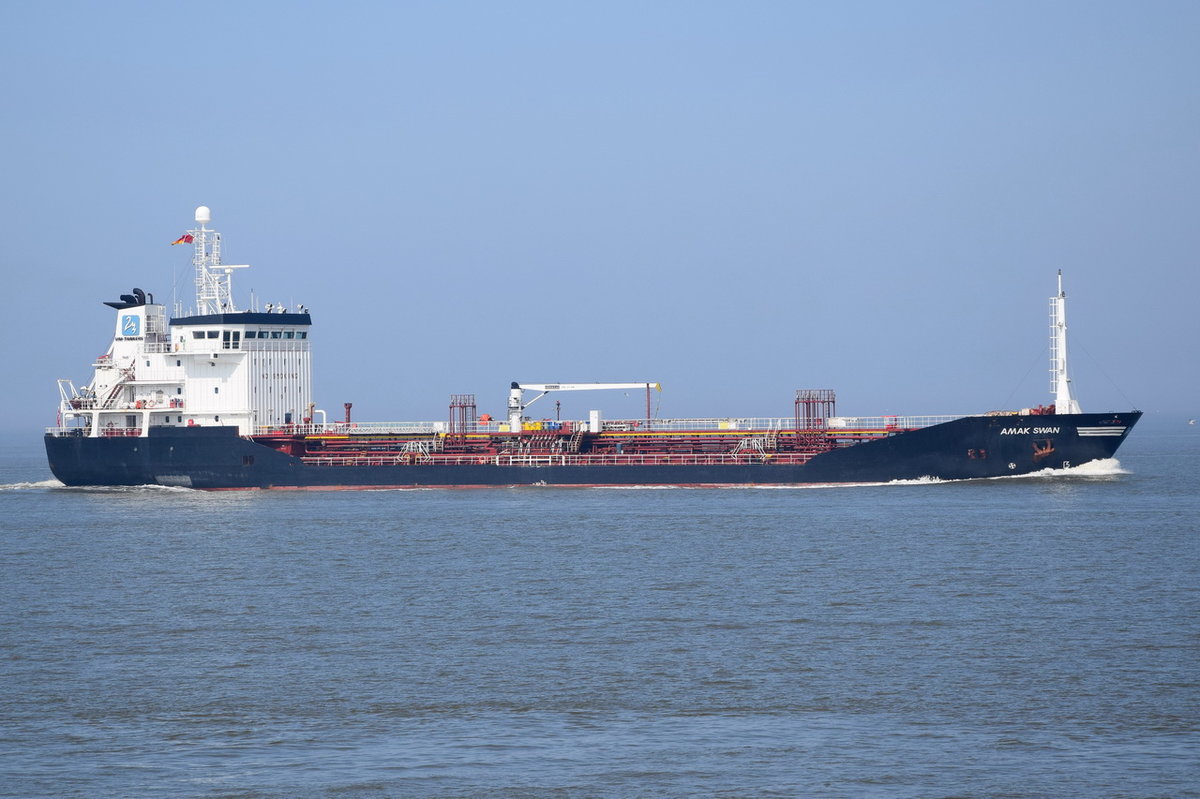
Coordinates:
[626,442]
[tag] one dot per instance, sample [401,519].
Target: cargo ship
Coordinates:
[219,397]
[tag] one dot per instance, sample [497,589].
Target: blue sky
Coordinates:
[735,199]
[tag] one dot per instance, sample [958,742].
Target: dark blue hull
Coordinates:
[971,447]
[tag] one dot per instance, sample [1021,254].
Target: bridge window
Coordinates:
[211,333]
[197,334]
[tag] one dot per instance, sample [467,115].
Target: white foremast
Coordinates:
[1060,381]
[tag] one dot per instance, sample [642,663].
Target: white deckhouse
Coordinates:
[215,366]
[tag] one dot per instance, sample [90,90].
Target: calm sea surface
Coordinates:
[1035,637]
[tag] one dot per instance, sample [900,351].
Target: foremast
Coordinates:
[1060,380]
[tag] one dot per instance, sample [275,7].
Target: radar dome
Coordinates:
[203,215]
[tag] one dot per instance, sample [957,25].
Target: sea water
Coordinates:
[1021,637]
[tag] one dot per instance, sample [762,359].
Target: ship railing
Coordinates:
[836,423]
[357,428]
[768,424]
[496,427]
[159,347]
[686,425]
[151,402]
[63,431]
[745,424]
[108,431]
[92,403]
[546,459]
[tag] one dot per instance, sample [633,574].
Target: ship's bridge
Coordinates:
[246,330]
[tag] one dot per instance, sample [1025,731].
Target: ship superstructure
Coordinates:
[221,397]
[215,365]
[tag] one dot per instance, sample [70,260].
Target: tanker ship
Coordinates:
[221,398]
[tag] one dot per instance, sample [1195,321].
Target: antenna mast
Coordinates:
[1060,381]
[214,280]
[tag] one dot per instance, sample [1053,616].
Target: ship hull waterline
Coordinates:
[972,447]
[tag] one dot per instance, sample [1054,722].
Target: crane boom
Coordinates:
[517,404]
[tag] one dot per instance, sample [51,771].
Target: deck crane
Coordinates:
[517,404]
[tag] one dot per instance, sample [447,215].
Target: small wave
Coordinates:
[1104,467]
[140,489]
[147,488]
[926,480]
[31,486]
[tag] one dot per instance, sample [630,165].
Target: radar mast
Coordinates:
[214,280]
